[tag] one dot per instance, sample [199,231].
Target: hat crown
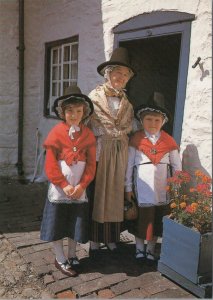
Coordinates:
[71,93]
[120,55]
[72,89]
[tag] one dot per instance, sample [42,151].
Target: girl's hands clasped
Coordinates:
[73,192]
[77,193]
[68,190]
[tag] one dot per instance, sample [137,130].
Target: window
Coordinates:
[61,70]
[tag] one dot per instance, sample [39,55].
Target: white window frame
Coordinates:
[59,81]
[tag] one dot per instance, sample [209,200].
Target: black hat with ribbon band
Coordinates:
[156,103]
[119,57]
[151,108]
[72,95]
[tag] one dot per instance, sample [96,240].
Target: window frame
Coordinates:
[49,46]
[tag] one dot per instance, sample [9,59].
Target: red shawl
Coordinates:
[155,153]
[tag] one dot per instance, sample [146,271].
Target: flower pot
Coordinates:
[186,254]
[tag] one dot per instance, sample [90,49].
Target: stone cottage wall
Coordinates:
[93,21]
[8,86]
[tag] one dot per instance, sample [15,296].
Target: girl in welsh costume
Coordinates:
[151,153]
[70,167]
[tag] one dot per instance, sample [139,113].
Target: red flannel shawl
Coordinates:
[155,153]
[60,146]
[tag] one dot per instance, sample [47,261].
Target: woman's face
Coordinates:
[119,77]
[152,123]
[73,114]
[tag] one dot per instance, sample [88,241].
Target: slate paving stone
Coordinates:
[110,276]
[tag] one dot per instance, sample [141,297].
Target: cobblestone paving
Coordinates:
[27,268]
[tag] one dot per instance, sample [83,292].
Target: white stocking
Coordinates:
[139,244]
[71,248]
[59,252]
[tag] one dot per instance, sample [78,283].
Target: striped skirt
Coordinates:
[107,232]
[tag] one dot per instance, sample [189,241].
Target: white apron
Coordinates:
[73,175]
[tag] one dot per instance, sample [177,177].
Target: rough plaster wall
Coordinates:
[93,21]
[48,21]
[197,123]
[8,86]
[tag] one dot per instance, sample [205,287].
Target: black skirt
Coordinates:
[62,220]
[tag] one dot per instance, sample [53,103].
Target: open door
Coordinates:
[158,44]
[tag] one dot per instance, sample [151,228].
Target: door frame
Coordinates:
[156,24]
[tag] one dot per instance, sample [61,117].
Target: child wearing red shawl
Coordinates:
[152,152]
[70,166]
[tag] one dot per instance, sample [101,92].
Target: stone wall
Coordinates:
[8,86]
[93,21]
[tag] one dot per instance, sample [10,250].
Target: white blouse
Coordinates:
[149,181]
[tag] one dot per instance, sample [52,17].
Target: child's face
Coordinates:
[119,77]
[152,123]
[73,114]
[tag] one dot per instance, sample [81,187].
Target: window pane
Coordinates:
[66,72]
[55,73]
[54,89]
[55,56]
[66,53]
[74,54]
[65,85]
[74,71]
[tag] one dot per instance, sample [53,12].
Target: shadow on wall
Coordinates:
[191,161]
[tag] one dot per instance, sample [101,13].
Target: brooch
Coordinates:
[74,149]
[153,151]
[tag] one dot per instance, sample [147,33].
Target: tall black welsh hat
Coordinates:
[119,57]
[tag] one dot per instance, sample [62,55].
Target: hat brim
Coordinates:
[151,108]
[70,98]
[101,67]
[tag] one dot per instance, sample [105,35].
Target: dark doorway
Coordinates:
[156,60]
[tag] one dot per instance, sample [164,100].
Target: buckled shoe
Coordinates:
[65,268]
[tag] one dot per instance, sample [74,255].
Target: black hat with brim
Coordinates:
[119,58]
[74,96]
[152,108]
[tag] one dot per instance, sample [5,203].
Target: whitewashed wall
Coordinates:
[8,86]
[93,21]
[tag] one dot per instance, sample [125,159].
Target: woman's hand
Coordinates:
[68,190]
[78,191]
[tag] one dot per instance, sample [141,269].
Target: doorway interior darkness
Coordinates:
[156,61]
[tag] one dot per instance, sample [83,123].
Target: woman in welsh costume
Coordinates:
[111,123]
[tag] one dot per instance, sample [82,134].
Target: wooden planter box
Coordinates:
[186,257]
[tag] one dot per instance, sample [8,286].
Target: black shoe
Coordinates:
[73,262]
[94,253]
[140,255]
[151,260]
